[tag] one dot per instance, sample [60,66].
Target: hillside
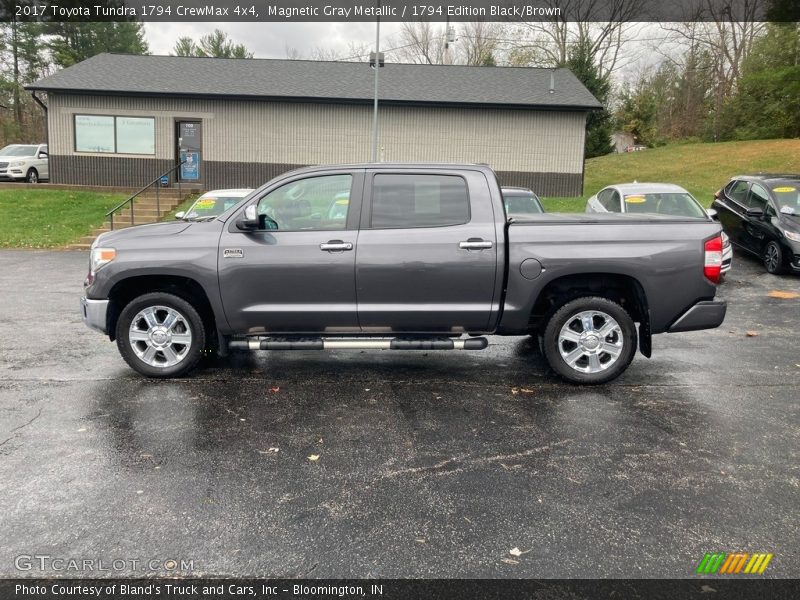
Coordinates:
[700,168]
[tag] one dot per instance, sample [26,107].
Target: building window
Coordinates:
[115,135]
[402,201]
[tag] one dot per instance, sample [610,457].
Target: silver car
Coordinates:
[658,198]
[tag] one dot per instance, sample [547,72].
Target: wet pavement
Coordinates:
[429,464]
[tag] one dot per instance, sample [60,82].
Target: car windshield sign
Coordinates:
[788,197]
[666,203]
[210,206]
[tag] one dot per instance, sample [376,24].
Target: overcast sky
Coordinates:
[270,40]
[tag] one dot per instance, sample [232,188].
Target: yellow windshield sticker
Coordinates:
[343,201]
[784,190]
[635,199]
[206,203]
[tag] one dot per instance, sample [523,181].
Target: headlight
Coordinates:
[100,257]
[19,163]
[792,235]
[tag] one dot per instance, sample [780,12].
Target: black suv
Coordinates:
[761,214]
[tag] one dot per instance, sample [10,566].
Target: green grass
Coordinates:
[41,218]
[700,168]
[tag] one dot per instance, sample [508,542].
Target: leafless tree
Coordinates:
[421,42]
[602,26]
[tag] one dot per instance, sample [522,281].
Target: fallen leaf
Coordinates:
[241,419]
[82,429]
[515,551]
[275,389]
[783,295]
[314,457]
[517,391]
[420,540]
[751,334]
[510,561]
[269,451]
[706,589]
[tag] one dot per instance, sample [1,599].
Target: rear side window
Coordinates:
[737,191]
[411,200]
[610,200]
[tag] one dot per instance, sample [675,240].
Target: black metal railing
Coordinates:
[121,205]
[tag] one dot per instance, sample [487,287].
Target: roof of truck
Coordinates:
[322,81]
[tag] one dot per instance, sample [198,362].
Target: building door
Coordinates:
[189,150]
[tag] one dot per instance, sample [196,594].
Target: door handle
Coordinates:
[336,246]
[475,244]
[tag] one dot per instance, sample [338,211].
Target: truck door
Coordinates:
[296,273]
[427,253]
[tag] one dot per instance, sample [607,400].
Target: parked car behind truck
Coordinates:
[425,258]
[24,162]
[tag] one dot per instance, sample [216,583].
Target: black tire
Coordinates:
[161,303]
[773,258]
[587,370]
[32,176]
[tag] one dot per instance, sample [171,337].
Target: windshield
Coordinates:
[672,203]
[210,206]
[15,150]
[788,197]
[522,204]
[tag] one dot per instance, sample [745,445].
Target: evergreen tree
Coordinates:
[598,123]
[71,43]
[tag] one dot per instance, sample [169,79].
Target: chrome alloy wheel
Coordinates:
[590,341]
[160,336]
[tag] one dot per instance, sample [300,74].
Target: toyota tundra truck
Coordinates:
[400,257]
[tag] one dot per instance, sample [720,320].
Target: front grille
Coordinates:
[3,165]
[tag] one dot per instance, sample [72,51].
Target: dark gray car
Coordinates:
[415,256]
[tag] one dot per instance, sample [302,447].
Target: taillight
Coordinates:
[712,266]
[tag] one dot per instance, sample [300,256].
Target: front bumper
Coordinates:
[94,313]
[707,314]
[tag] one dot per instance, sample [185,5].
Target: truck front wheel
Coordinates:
[160,335]
[589,340]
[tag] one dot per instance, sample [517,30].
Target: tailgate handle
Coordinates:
[475,244]
[336,246]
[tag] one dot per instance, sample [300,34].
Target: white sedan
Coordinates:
[658,198]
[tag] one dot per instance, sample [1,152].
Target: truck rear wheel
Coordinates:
[589,340]
[160,335]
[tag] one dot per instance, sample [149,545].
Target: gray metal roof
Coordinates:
[321,81]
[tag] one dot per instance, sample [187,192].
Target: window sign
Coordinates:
[120,135]
[136,135]
[94,133]
[190,169]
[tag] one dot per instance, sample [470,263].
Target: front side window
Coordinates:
[315,203]
[758,197]
[115,135]
[402,201]
[614,202]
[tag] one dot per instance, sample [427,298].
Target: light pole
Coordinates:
[377,66]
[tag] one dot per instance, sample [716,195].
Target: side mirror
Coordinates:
[249,220]
[755,213]
[42,154]
[712,213]
[180,214]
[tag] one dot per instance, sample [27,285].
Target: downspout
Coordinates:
[46,134]
[46,117]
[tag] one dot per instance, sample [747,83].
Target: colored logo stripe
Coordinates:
[733,563]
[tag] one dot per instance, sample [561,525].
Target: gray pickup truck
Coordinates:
[400,257]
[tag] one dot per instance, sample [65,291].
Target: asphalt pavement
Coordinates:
[391,464]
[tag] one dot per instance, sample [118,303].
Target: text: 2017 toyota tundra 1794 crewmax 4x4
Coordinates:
[404,257]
